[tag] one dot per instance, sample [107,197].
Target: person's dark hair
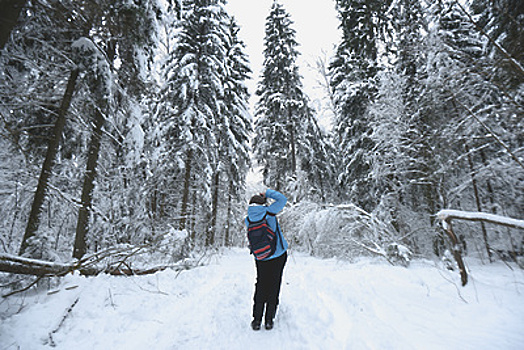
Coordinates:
[257,199]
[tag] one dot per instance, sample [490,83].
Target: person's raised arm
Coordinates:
[280,201]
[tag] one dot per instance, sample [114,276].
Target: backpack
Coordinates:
[262,239]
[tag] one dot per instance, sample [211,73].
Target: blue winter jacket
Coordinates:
[256,212]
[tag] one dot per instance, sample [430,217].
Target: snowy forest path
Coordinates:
[324,304]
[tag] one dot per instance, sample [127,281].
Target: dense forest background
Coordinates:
[127,123]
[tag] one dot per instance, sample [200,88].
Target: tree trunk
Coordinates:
[52,150]
[489,188]
[227,239]
[89,183]
[430,201]
[192,221]
[456,251]
[293,144]
[185,193]
[10,12]
[211,233]
[479,204]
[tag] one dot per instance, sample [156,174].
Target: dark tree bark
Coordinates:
[210,238]
[456,251]
[185,194]
[293,143]
[52,149]
[9,13]
[227,239]
[489,188]
[479,203]
[89,183]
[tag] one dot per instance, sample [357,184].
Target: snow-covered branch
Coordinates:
[448,214]
[445,216]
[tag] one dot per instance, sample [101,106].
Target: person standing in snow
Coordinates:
[270,269]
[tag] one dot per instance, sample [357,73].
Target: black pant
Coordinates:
[267,288]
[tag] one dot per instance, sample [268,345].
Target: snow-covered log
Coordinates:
[24,266]
[447,214]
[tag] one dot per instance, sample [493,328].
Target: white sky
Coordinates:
[316,26]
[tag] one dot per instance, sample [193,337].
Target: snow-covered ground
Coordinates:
[325,304]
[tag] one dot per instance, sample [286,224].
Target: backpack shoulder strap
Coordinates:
[279,233]
[250,222]
[275,216]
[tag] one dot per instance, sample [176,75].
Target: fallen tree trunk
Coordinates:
[24,266]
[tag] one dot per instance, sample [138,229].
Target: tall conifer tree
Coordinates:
[353,72]
[194,88]
[237,127]
[281,101]
[283,115]
[233,126]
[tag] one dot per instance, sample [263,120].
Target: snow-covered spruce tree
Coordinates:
[407,49]
[501,24]
[284,119]
[407,24]
[36,64]
[99,84]
[234,127]
[281,100]
[192,101]
[162,166]
[353,72]
[129,38]
[111,211]
[45,35]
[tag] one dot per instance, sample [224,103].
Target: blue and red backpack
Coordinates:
[262,239]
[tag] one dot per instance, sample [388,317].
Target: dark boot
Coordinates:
[271,310]
[258,310]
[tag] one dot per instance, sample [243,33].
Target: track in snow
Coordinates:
[325,304]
